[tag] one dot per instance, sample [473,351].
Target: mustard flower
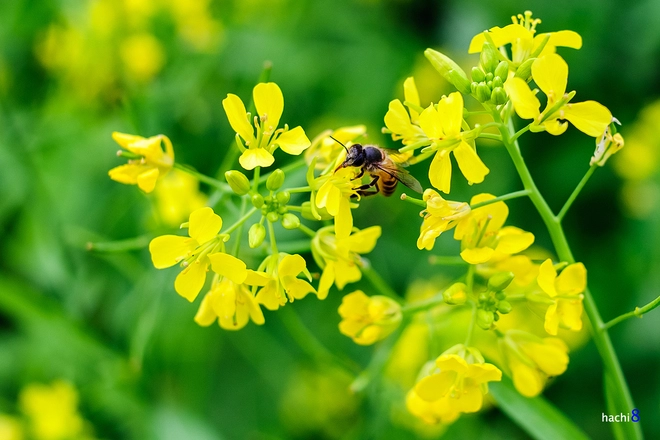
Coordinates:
[550,73]
[442,125]
[368,319]
[335,194]
[177,195]
[52,411]
[326,150]
[565,292]
[269,102]
[440,215]
[461,375]
[404,124]
[532,360]
[607,145]
[192,253]
[438,411]
[523,39]
[339,256]
[149,162]
[484,236]
[283,284]
[232,304]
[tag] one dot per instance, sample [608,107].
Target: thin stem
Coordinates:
[130,244]
[271,234]
[237,245]
[639,311]
[255,179]
[602,340]
[442,260]
[307,230]
[413,200]
[420,306]
[495,137]
[513,195]
[240,221]
[378,283]
[202,177]
[576,191]
[299,189]
[520,132]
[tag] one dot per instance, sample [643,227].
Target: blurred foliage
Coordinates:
[71,72]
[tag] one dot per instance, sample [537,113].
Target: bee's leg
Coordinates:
[363,190]
[359,176]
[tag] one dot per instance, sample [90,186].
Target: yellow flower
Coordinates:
[148,160]
[327,151]
[368,319]
[484,236]
[440,215]
[339,256]
[437,411]
[269,102]
[550,72]
[532,360]
[192,253]
[606,146]
[143,56]
[442,125]
[52,411]
[283,271]
[177,195]
[10,428]
[565,291]
[461,376]
[404,124]
[524,42]
[334,195]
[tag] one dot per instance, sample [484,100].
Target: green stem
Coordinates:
[255,180]
[601,338]
[513,195]
[130,244]
[420,306]
[378,282]
[240,221]
[495,137]
[299,189]
[442,260]
[473,320]
[413,200]
[576,191]
[520,132]
[237,245]
[639,311]
[202,177]
[307,230]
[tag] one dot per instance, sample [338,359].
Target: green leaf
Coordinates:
[538,417]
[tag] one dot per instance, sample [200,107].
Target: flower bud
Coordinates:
[257,201]
[290,221]
[275,180]
[449,70]
[272,216]
[489,59]
[497,82]
[456,294]
[483,92]
[283,197]
[478,75]
[504,307]
[502,70]
[237,182]
[499,97]
[256,235]
[524,71]
[500,281]
[485,319]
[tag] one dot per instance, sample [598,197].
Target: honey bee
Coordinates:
[384,172]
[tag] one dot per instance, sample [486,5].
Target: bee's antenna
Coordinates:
[339,143]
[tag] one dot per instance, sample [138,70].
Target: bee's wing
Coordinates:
[402,176]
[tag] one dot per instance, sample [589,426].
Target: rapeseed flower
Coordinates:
[147,160]
[565,293]
[335,194]
[231,303]
[440,215]
[440,410]
[368,319]
[52,411]
[282,284]
[265,137]
[403,124]
[177,195]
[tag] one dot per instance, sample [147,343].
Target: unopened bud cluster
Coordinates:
[488,78]
[492,302]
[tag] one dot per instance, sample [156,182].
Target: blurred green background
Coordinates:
[71,72]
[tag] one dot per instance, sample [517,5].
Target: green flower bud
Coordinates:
[456,294]
[449,70]
[504,307]
[489,59]
[257,201]
[237,182]
[502,69]
[489,77]
[264,210]
[500,296]
[272,216]
[290,221]
[485,319]
[483,92]
[497,82]
[275,180]
[478,75]
[496,317]
[500,281]
[499,96]
[473,88]
[283,197]
[524,71]
[256,235]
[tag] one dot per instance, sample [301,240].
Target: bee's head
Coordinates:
[354,157]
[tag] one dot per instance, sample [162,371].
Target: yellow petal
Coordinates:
[256,278]
[146,181]
[326,281]
[397,119]
[229,266]
[512,240]
[343,219]
[291,265]
[550,73]
[452,362]
[570,313]
[434,387]
[470,163]
[204,224]
[345,273]
[551,358]
[440,171]
[411,95]
[500,36]
[294,141]
[256,315]
[268,295]
[191,280]
[554,127]
[590,117]
[524,101]
[127,174]
[430,122]
[572,280]
[450,113]
[364,241]
[477,255]
[237,116]
[124,140]
[256,157]
[205,314]
[297,288]
[269,101]
[470,401]
[547,277]
[168,250]
[528,381]
[561,38]
[551,324]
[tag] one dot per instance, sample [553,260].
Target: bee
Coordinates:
[384,172]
